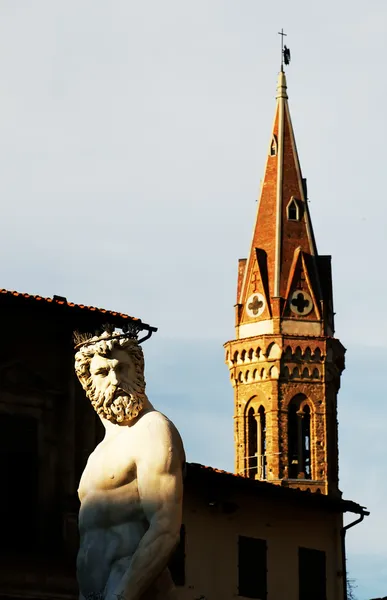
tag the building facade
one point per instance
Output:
(252, 539)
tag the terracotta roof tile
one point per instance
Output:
(61, 301)
(265, 488)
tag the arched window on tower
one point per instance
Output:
(299, 440)
(293, 441)
(261, 443)
(273, 146)
(293, 210)
(252, 446)
(305, 427)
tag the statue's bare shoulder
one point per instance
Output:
(160, 443)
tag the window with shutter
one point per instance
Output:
(252, 568)
(311, 574)
(19, 463)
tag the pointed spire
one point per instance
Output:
(281, 86)
(282, 230)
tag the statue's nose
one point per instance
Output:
(113, 377)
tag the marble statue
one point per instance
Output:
(131, 489)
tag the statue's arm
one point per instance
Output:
(160, 487)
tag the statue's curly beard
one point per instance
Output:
(115, 403)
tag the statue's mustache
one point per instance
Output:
(119, 391)
(114, 391)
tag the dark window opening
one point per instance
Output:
(252, 568)
(305, 435)
(293, 441)
(293, 211)
(273, 146)
(252, 463)
(299, 442)
(176, 563)
(262, 443)
(311, 574)
(19, 463)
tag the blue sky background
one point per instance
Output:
(132, 143)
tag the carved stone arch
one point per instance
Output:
(316, 374)
(251, 354)
(255, 402)
(307, 354)
(297, 398)
(317, 356)
(305, 402)
(301, 400)
(258, 353)
(263, 373)
(251, 403)
(243, 355)
(288, 353)
(297, 353)
(240, 376)
(274, 373)
(296, 372)
(247, 375)
(235, 357)
(302, 393)
(286, 372)
(255, 373)
(305, 373)
(273, 351)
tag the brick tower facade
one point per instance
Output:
(285, 364)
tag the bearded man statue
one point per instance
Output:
(131, 489)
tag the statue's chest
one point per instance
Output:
(111, 465)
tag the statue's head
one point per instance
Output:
(110, 369)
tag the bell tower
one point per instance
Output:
(285, 364)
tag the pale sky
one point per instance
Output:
(133, 137)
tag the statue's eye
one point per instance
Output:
(102, 372)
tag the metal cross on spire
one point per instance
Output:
(285, 52)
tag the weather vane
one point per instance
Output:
(285, 52)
